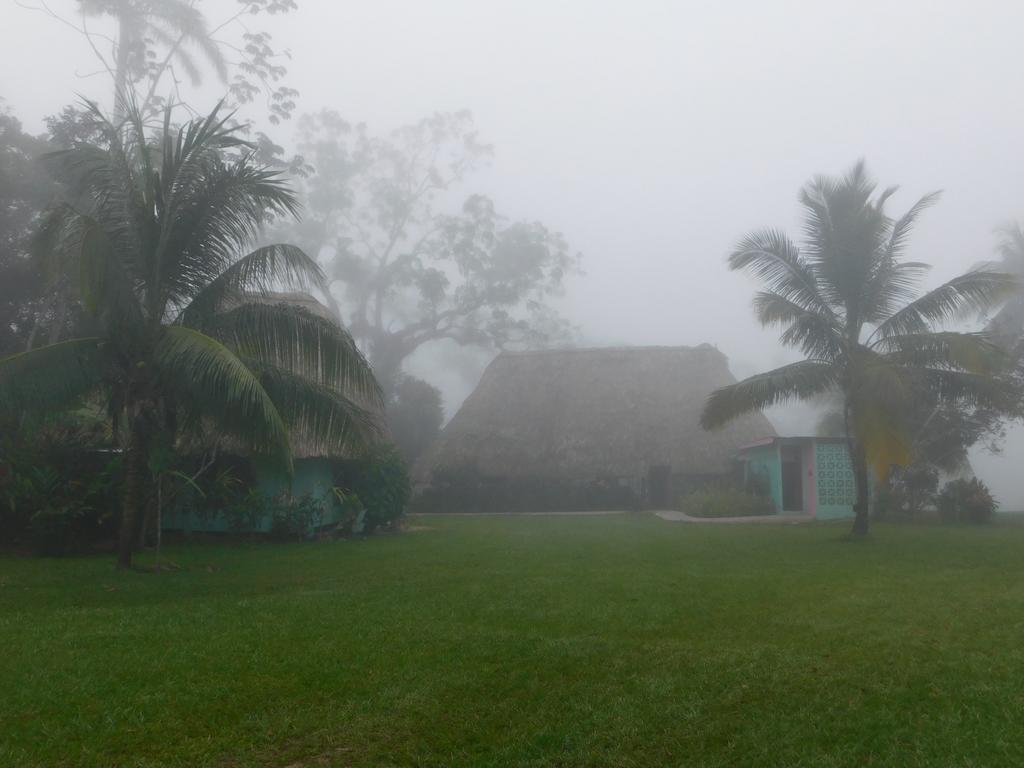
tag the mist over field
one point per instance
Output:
(651, 135)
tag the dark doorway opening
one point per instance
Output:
(659, 487)
(792, 480)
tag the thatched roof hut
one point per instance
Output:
(589, 415)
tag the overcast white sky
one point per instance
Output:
(654, 134)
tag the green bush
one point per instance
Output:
(56, 531)
(381, 483)
(295, 519)
(245, 511)
(59, 509)
(352, 517)
(966, 501)
(909, 492)
(726, 502)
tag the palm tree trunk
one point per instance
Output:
(122, 77)
(859, 459)
(133, 498)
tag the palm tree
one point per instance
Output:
(848, 302)
(187, 340)
(172, 24)
(1007, 326)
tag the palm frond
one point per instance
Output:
(1011, 247)
(210, 380)
(272, 267)
(294, 339)
(973, 352)
(771, 257)
(51, 378)
(902, 227)
(817, 335)
(320, 419)
(225, 206)
(973, 292)
(976, 390)
(795, 381)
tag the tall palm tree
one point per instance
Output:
(1007, 326)
(186, 338)
(173, 24)
(848, 302)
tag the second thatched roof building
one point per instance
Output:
(584, 428)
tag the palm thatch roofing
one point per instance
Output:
(582, 414)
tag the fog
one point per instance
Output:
(654, 135)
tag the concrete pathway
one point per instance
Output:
(594, 513)
(678, 517)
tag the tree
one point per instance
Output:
(848, 301)
(161, 43)
(410, 274)
(141, 26)
(415, 416)
(939, 434)
(1007, 327)
(24, 192)
(188, 339)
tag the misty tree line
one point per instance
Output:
(410, 259)
(409, 262)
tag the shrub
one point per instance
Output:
(381, 483)
(58, 509)
(294, 519)
(909, 492)
(245, 511)
(966, 501)
(56, 531)
(352, 517)
(726, 502)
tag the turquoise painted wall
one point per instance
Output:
(837, 492)
(314, 476)
(765, 461)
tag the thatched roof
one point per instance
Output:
(588, 413)
(295, 299)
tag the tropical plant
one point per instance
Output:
(294, 518)
(381, 482)
(190, 339)
(848, 301)
(908, 493)
(1008, 325)
(175, 24)
(415, 416)
(966, 501)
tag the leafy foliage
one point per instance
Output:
(59, 501)
(910, 491)
(27, 301)
(190, 341)
(295, 518)
(850, 303)
(381, 483)
(966, 501)
(415, 415)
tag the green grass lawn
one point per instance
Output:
(612, 641)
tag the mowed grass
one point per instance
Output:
(609, 641)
